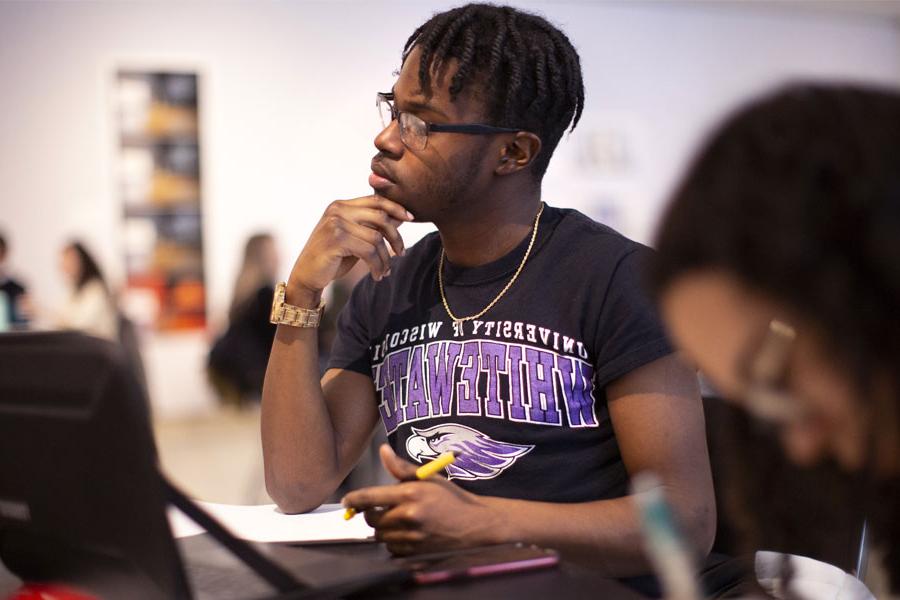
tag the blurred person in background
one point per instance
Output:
(90, 307)
(12, 294)
(778, 273)
(238, 358)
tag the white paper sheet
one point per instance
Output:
(265, 523)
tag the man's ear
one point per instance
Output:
(518, 153)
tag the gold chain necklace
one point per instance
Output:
(505, 288)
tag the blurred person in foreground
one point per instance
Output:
(237, 360)
(89, 307)
(517, 334)
(13, 293)
(778, 272)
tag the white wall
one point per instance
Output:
(288, 110)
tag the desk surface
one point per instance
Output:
(566, 581)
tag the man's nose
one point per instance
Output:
(388, 141)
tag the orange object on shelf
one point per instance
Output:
(182, 322)
(166, 119)
(189, 296)
(171, 188)
(152, 282)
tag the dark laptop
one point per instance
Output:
(82, 501)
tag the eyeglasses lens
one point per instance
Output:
(413, 131)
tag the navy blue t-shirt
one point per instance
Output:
(520, 392)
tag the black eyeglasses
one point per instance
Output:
(414, 131)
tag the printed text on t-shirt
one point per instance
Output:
(484, 377)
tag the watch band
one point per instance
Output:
(294, 316)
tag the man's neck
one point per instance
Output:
(498, 228)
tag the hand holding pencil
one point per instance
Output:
(423, 512)
(427, 470)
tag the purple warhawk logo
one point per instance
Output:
(479, 457)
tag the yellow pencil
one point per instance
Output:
(423, 472)
(435, 466)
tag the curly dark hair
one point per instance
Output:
(527, 70)
(798, 196)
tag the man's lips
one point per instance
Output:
(379, 177)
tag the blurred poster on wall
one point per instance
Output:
(600, 171)
(159, 183)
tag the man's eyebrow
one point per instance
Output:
(418, 106)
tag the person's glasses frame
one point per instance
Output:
(765, 373)
(414, 130)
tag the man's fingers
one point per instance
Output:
(378, 220)
(401, 541)
(374, 516)
(395, 465)
(378, 202)
(389, 206)
(400, 536)
(376, 496)
(374, 255)
(403, 516)
(372, 237)
(402, 549)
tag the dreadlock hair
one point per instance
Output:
(528, 70)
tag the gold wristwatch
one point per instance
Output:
(288, 314)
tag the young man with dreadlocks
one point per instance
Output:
(516, 335)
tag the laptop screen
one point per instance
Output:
(80, 498)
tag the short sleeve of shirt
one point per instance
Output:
(351, 344)
(630, 333)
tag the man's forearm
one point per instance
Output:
(605, 534)
(297, 433)
(311, 436)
